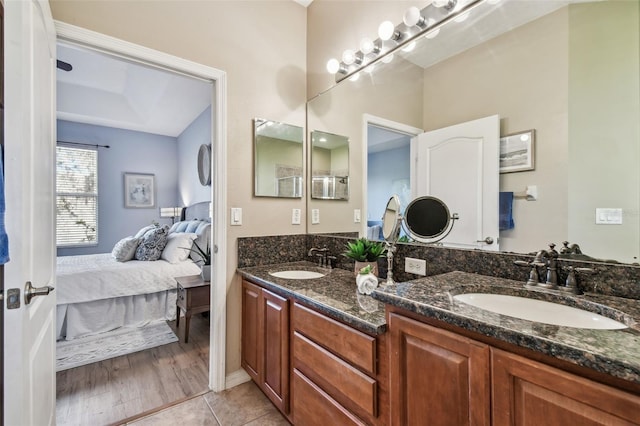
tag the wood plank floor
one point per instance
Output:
(112, 390)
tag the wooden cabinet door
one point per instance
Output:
(526, 392)
(436, 377)
(251, 325)
(275, 381)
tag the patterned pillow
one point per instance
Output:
(152, 244)
(125, 249)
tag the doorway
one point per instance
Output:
(386, 165)
(151, 58)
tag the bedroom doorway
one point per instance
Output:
(85, 39)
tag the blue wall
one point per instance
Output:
(130, 151)
(387, 174)
(189, 141)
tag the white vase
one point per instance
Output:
(206, 272)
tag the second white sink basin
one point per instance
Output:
(297, 275)
(539, 311)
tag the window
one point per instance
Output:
(76, 196)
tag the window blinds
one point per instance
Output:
(76, 196)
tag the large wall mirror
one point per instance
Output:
(329, 166)
(568, 69)
(278, 159)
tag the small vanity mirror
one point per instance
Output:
(278, 159)
(329, 166)
(204, 164)
(428, 219)
(391, 220)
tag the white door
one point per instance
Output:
(29, 346)
(459, 165)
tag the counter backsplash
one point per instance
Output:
(609, 279)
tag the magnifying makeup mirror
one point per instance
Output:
(427, 219)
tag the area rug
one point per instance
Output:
(87, 350)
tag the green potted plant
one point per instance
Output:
(365, 252)
(205, 259)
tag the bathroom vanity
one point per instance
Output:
(412, 354)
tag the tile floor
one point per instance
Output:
(242, 405)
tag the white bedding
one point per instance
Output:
(98, 276)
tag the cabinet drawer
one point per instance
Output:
(194, 297)
(351, 345)
(312, 406)
(346, 384)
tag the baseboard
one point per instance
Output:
(236, 378)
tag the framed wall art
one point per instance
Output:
(139, 191)
(517, 152)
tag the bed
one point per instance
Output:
(97, 293)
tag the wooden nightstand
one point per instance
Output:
(193, 298)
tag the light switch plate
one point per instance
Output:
(295, 217)
(608, 216)
(357, 216)
(236, 216)
(315, 216)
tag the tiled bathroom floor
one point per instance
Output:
(242, 405)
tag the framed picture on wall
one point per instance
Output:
(517, 152)
(139, 191)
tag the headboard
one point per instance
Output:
(196, 211)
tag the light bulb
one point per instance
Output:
(433, 33)
(366, 45)
(348, 57)
(412, 17)
(354, 77)
(388, 58)
(333, 66)
(386, 30)
(409, 47)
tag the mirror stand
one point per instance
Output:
(391, 248)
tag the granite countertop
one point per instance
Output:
(614, 352)
(335, 294)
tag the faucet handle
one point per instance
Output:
(534, 278)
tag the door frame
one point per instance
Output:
(120, 48)
(368, 119)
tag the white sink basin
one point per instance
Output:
(297, 275)
(539, 311)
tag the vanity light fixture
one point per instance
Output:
(415, 23)
(387, 31)
(413, 17)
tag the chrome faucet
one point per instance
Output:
(545, 258)
(324, 260)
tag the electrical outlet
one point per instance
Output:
(415, 266)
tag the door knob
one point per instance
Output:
(487, 240)
(30, 291)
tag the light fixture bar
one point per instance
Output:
(403, 35)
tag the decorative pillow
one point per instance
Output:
(152, 244)
(125, 249)
(144, 230)
(178, 247)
